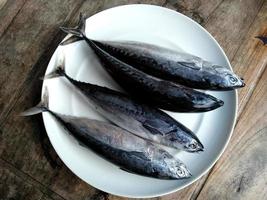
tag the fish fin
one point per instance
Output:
(159, 127)
(70, 40)
(60, 67)
(77, 32)
(40, 107)
(126, 170)
(80, 143)
(139, 155)
(136, 154)
(191, 65)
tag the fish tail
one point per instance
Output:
(60, 67)
(78, 33)
(40, 107)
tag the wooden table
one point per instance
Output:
(29, 34)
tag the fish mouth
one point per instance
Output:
(220, 103)
(186, 173)
(216, 104)
(243, 83)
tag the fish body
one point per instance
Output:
(160, 93)
(142, 120)
(179, 67)
(129, 152)
(124, 149)
(157, 92)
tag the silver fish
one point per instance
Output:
(143, 120)
(167, 64)
(160, 93)
(179, 67)
(118, 146)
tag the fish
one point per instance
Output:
(136, 117)
(118, 146)
(159, 93)
(179, 67)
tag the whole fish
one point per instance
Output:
(179, 67)
(142, 120)
(118, 146)
(160, 93)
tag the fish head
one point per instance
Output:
(225, 78)
(234, 81)
(178, 169)
(194, 145)
(184, 139)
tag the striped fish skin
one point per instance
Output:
(142, 120)
(154, 91)
(179, 67)
(120, 147)
(124, 149)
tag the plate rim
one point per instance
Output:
(213, 160)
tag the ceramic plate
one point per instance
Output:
(150, 24)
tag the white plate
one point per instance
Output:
(159, 26)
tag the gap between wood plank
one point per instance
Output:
(246, 103)
(33, 70)
(212, 13)
(237, 121)
(29, 179)
(4, 32)
(55, 40)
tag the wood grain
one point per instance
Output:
(251, 57)
(20, 138)
(197, 10)
(221, 34)
(25, 40)
(28, 36)
(112, 3)
(230, 22)
(13, 187)
(242, 171)
(17, 178)
(8, 11)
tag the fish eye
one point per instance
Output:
(180, 172)
(233, 79)
(192, 146)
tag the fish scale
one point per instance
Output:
(140, 119)
(145, 87)
(127, 151)
(179, 67)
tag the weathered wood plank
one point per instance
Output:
(234, 8)
(25, 40)
(44, 197)
(251, 58)
(197, 10)
(13, 187)
(34, 32)
(16, 178)
(230, 22)
(113, 3)
(8, 10)
(64, 182)
(242, 171)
